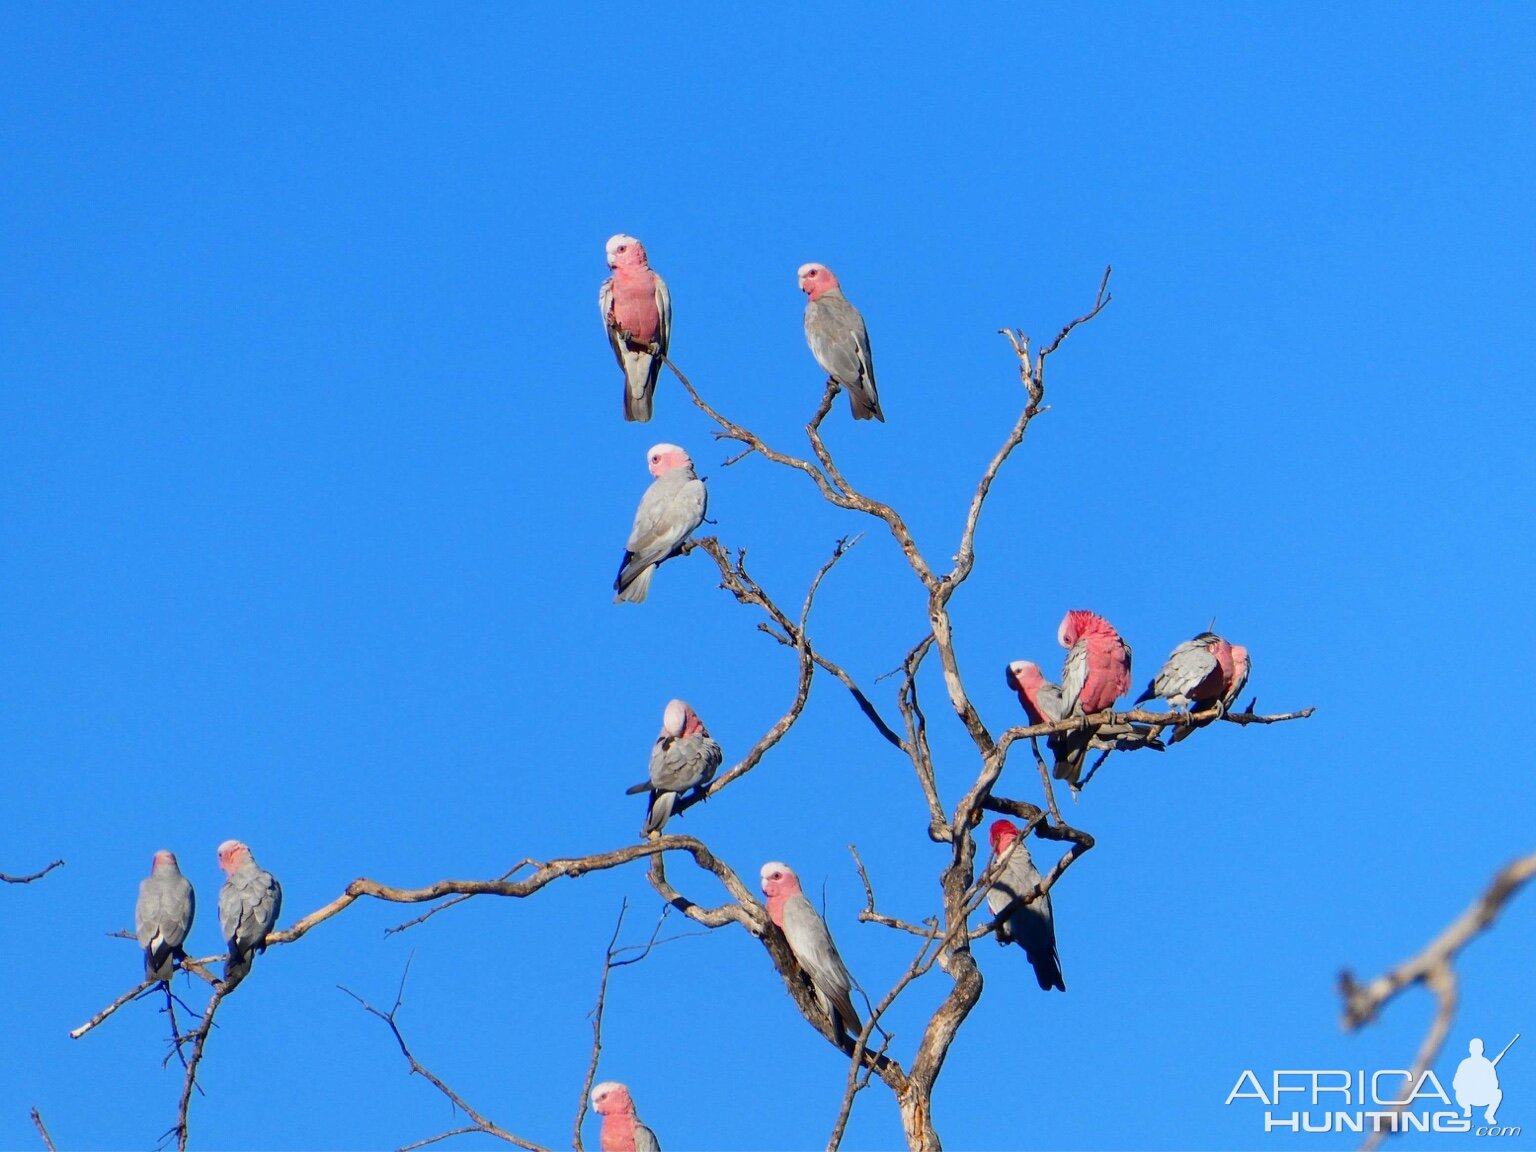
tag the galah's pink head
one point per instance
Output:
(1024, 676)
(625, 252)
(1078, 623)
(1002, 833)
(233, 855)
(165, 861)
(779, 879)
(662, 458)
(611, 1098)
(816, 280)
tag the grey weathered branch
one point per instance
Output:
(9, 879)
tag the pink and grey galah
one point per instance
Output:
(672, 507)
(637, 312)
(249, 904)
(1032, 926)
(1195, 677)
(1097, 672)
(839, 341)
(163, 916)
(622, 1130)
(811, 943)
(683, 757)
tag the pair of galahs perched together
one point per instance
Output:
(1199, 674)
(249, 904)
(637, 314)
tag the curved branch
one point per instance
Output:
(8, 879)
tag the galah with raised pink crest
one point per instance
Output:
(808, 938)
(683, 757)
(1032, 926)
(835, 331)
(622, 1130)
(163, 916)
(1097, 672)
(672, 507)
(637, 312)
(249, 904)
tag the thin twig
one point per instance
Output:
(35, 876)
(189, 1081)
(596, 1016)
(42, 1130)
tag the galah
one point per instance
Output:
(249, 904)
(1043, 705)
(1032, 926)
(1097, 672)
(672, 507)
(808, 938)
(839, 341)
(637, 312)
(622, 1130)
(1195, 674)
(683, 757)
(163, 916)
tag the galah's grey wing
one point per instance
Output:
(1032, 926)
(812, 945)
(668, 513)
(839, 341)
(645, 1139)
(710, 758)
(269, 906)
(1190, 666)
(664, 328)
(605, 305)
(1074, 674)
(1049, 701)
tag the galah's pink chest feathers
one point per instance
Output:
(618, 1133)
(634, 302)
(776, 904)
(1108, 677)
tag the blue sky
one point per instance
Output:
(313, 482)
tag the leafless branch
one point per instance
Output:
(418, 1069)
(1433, 967)
(42, 1130)
(526, 862)
(8, 879)
(189, 1079)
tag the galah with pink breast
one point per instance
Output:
(637, 313)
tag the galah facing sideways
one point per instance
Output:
(808, 938)
(683, 757)
(1032, 926)
(672, 507)
(622, 1130)
(637, 312)
(249, 904)
(1043, 705)
(1195, 677)
(1097, 672)
(163, 916)
(835, 331)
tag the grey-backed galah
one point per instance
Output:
(1043, 705)
(637, 312)
(1097, 672)
(249, 904)
(683, 757)
(622, 1130)
(808, 938)
(1032, 926)
(672, 507)
(1193, 678)
(163, 916)
(839, 341)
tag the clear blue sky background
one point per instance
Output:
(314, 482)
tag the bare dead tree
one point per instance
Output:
(1434, 968)
(947, 933)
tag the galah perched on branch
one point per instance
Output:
(1032, 926)
(1097, 672)
(637, 312)
(163, 916)
(672, 507)
(808, 938)
(1196, 676)
(835, 331)
(249, 904)
(1043, 705)
(622, 1130)
(683, 757)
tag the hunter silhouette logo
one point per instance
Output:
(1476, 1083)
(1339, 1100)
